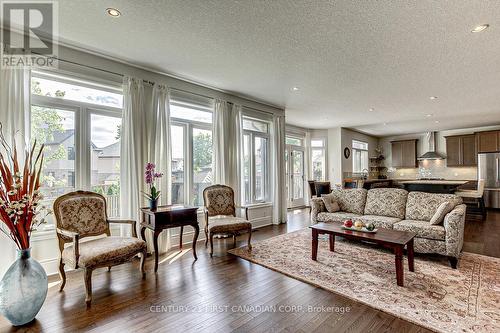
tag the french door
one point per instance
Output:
(294, 167)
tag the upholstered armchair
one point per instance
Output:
(220, 215)
(83, 214)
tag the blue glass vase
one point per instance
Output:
(23, 289)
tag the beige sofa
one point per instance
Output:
(401, 210)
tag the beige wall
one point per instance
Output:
(438, 168)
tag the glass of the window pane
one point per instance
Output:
(298, 173)
(202, 163)
(255, 125)
(317, 143)
(318, 164)
(53, 88)
(189, 113)
(246, 169)
(260, 163)
(177, 133)
(359, 145)
(56, 129)
(293, 141)
(105, 159)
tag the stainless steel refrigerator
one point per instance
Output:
(488, 168)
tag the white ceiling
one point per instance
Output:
(346, 56)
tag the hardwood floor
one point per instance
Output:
(223, 294)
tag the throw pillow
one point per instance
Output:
(440, 213)
(331, 204)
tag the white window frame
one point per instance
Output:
(360, 150)
(83, 112)
(189, 125)
(252, 135)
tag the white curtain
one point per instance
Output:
(14, 117)
(278, 166)
(221, 131)
(234, 151)
(160, 142)
(134, 148)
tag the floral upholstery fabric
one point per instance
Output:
(454, 223)
(84, 214)
(380, 221)
(98, 252)
(351, 200)
(386, 202)
(331, 204)
(424, 245)
(228, 224)
(422, 206)
(317, 206)
(335, 217)
(423, 229)
(219, 200)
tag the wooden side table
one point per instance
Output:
(166, 217)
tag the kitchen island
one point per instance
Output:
(432, 185)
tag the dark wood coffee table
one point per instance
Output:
(393, 239)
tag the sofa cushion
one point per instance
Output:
(386, 202)
(422, 206)
(440, 213)
(423, 229)
(351, 200)
(380, 221)
(336, 217)
(330, 203)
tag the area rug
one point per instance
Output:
(435, 296)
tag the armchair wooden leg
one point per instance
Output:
(62, 274)
(249, 238)
(143, 262)
(109, 268)
(234, 240)
(206, 237)
(211, 244)
(88, 285)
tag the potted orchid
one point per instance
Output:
(24, 286)
(150, 176)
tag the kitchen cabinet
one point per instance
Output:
(461, 150)
(404, 153)
(488, 142)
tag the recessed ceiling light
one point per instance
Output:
(113, 12)
(433, 97)
(480, 28)
(437, 121)
(429, 115)
(371, 109)
(295, 89)
(385, 124)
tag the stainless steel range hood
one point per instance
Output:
(431, 152)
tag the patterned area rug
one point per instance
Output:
(435, 296)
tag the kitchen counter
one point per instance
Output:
(432, 185)
(434, 181)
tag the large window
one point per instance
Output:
(318, 153)
(359, 156)
(79, 123)
(192, 152)
(255, 171)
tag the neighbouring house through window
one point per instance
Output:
(318, 157)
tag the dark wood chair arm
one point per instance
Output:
(76, 242)
(132, 223)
